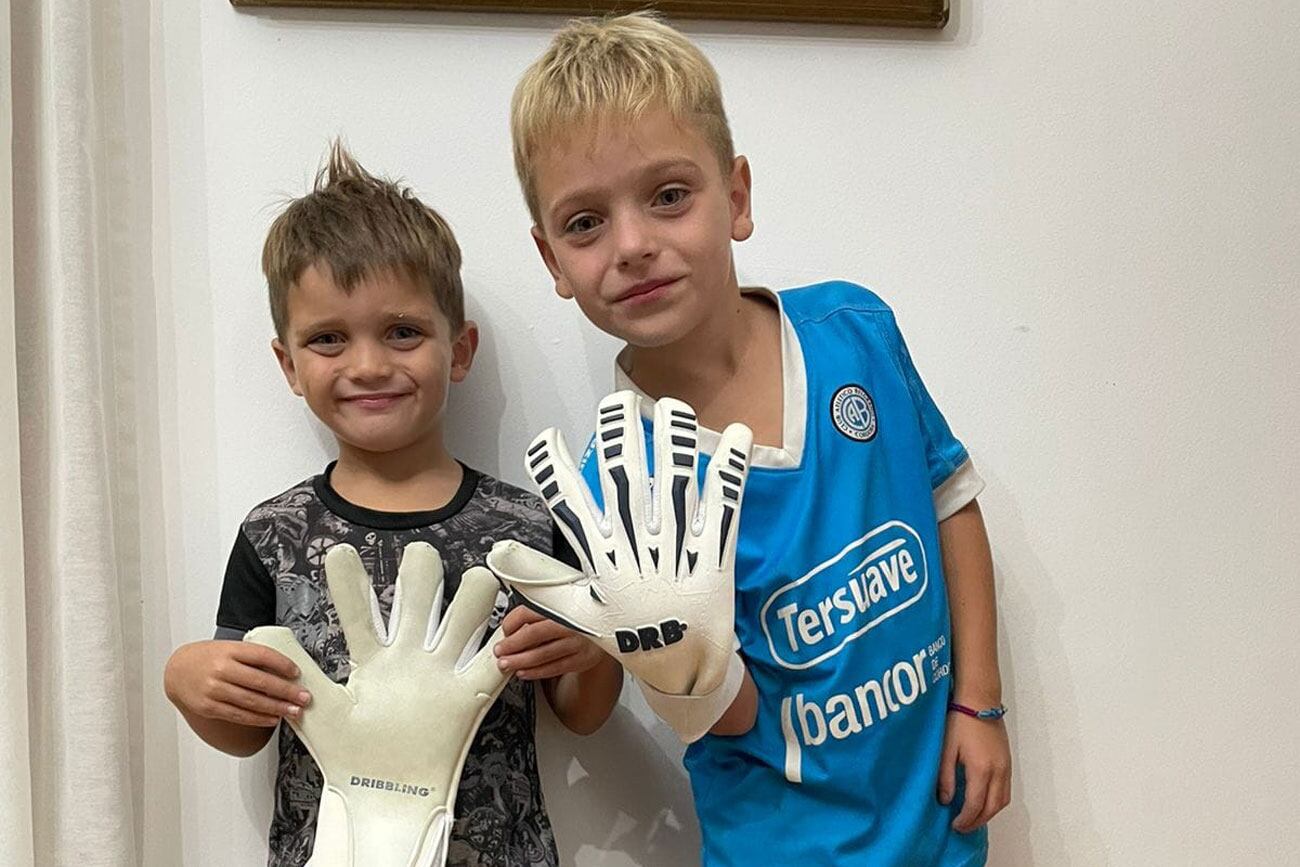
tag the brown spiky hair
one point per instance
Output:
(357, 226)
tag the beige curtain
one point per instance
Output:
(15, 784)
(82, 736)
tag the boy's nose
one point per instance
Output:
(635, 240)
(370, 362)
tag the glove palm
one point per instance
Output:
(656, 590)
(392, 741)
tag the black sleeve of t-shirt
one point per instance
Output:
(561, 549)
(247, 594)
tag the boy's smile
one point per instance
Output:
(379, 401)
(372, 364)
(637, 224)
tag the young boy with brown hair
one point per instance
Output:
(368, 308)
(864, 599)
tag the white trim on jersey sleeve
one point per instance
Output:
(794, 391)
(959, 489)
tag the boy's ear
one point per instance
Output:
(286, 365)
(463, 348)
(562, 288)
(742, 222)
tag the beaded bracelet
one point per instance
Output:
(988, 713)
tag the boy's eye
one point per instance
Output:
(671, 196)
(328, 343)
(581, 224)
(405, 334)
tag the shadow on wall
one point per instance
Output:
(257, 790)
(536, 368)
(476, 407)
(1049, 778)
(619, 798)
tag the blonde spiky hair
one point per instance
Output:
(597, 69)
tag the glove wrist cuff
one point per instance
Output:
(691, 716)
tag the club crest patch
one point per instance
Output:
(854, 413)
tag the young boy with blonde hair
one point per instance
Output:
(864, 608)
(369, 316)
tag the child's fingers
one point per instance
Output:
(220, 710)
(519, 617)
(977, 786)
(272, 685)
(254, 702)
(327, 697)
(531, 634)
(266, 658)
(947, 774)
(247, 718)
(540, 654)
(555, 668)
(480, 671)
(517, 638)
(998, 797)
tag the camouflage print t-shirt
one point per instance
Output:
(275, 576)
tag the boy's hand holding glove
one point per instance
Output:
(392, 742)
(656, 589)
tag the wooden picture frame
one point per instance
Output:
(895, 13)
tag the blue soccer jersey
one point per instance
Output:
(841, 608)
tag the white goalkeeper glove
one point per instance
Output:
(656, 590)
(392, 742)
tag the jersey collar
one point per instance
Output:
(794, 390)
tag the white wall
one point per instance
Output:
(1085, 215)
